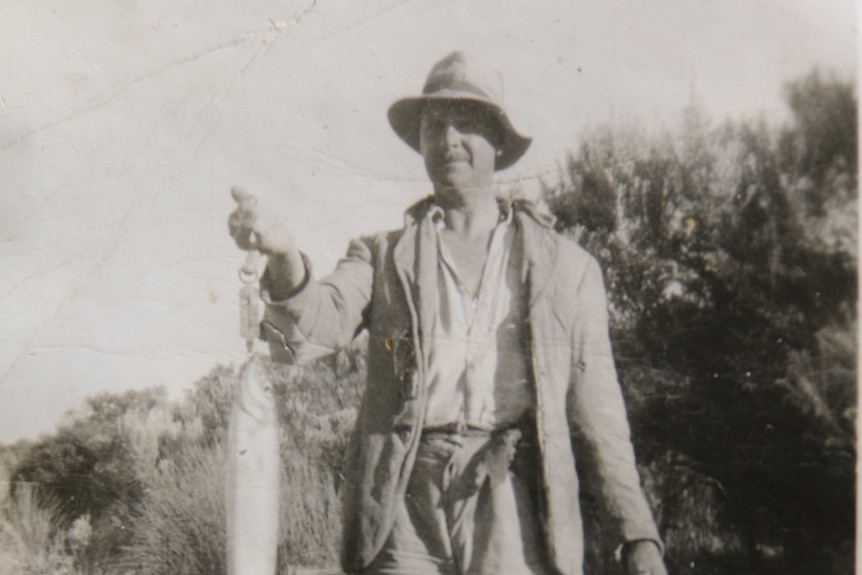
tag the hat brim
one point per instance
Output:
(405, 116)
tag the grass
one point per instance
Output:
(30, 542)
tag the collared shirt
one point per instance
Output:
(477, 368)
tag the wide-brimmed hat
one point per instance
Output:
(457, 78)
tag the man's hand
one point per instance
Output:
(644, 558)
(251, 231)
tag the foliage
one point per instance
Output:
(729, 254)
(95, 467)
(134, 484)
(180, 525)
(10, 457)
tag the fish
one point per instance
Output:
(253, 467)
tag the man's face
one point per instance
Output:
(459, 142)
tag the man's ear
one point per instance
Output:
(499, 136)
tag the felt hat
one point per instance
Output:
(456, 78)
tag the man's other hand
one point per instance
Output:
(644, 558)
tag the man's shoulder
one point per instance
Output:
(379, 243)
(543, 224)
(382, 237)
(574, 261)
(570, 248)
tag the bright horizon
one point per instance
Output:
(125, 125)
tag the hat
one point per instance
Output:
(456, 79)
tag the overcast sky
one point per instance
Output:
(124, 123)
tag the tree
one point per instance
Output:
(729, 255)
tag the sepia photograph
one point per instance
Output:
(468, 287)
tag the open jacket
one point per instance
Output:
(386, 284)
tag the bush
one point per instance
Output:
(179, 528)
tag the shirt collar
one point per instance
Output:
(437, 215)
(420, 210)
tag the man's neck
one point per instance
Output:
(472, 212)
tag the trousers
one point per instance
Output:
(466, 512)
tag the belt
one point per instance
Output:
(463, 428)
(511, 447)
(458, 428)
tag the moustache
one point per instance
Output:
(454, 157)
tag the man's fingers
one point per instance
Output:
(260, 225)
(253, 229)
(244, 239)
(243, 198)
(241, 229)
(243, 222)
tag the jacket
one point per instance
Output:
(386, 284)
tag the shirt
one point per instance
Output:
(477, 370)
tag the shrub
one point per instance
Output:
(179, 527)
(30, 543)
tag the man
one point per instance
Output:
(489, 364)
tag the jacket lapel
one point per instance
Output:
(415, 258)
(538, 245)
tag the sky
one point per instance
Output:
(123, 125)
